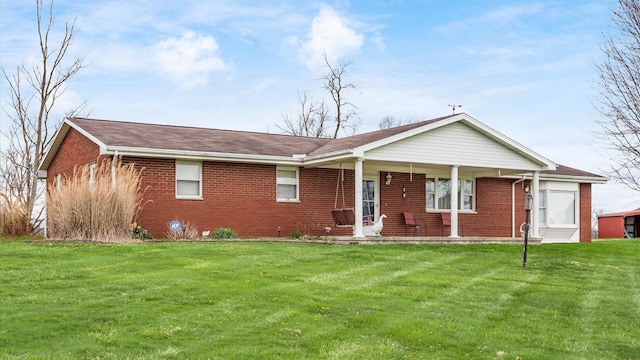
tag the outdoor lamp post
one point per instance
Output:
(528, 203)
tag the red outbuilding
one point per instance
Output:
(619, 225)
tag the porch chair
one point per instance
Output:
(446, 222)
(411, 222)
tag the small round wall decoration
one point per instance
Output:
(174, 225)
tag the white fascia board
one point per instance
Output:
(61, 133)
(569, 178)
(86, 134)
(198, 155)
(329, 157)
(562, 178)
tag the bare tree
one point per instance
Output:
(336, 84)
(618, 102)
(388, 122)
(311, 121)
(32, 94)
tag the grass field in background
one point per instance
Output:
(308, 301)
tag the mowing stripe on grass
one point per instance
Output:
(309, 301)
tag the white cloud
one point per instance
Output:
(188, 60)
(331, 34)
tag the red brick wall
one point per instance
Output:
(493, 207)
(75, 150)
(241, 197)
(585, 212)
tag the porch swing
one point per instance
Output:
(343, 216)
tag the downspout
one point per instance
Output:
(513, 205)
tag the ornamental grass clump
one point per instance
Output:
(187, 231)
(99, 208)
(14, 218)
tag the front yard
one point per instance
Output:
(308, 301)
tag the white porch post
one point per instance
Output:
(535, 191)
(358, 231)
(454, 201)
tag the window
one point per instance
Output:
(92, 175)
(542, 208)
(287, 184)
(439, 194)
(188, 179)
(467, 194)
(562, 208)
(58, 181)
(431, 193)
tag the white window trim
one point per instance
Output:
(189, 197)
(289, 168)
(58, 181)
(542, 221)
(92, 175)
(576, 209)
(460, 196)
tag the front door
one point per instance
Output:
(370, 203)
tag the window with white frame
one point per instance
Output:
(287, 184)
(439, 194)
(92, 175)
(188, 179)
(561, 209)
(542, 208)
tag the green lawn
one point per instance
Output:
(309, 301)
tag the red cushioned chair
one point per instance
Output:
(411, 222)
(446, 222)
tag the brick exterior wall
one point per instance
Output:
(243, 197)
(75, 150)
(492, 216)
(585, 213)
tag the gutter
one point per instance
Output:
(195, 155)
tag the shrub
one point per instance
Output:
(101, 210)
(224, 233)
(296, 235)
(138, 232)
(188, 231)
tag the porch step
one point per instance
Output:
(434, 240)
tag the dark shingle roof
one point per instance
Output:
(205, 140)
(167, 137)
(367, 138)
(562, 170)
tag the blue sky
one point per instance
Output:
(524, 68)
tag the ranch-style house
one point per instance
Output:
(456, 176)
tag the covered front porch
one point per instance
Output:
(457, 166)
(488, 207)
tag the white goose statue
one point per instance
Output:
(377, 227)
